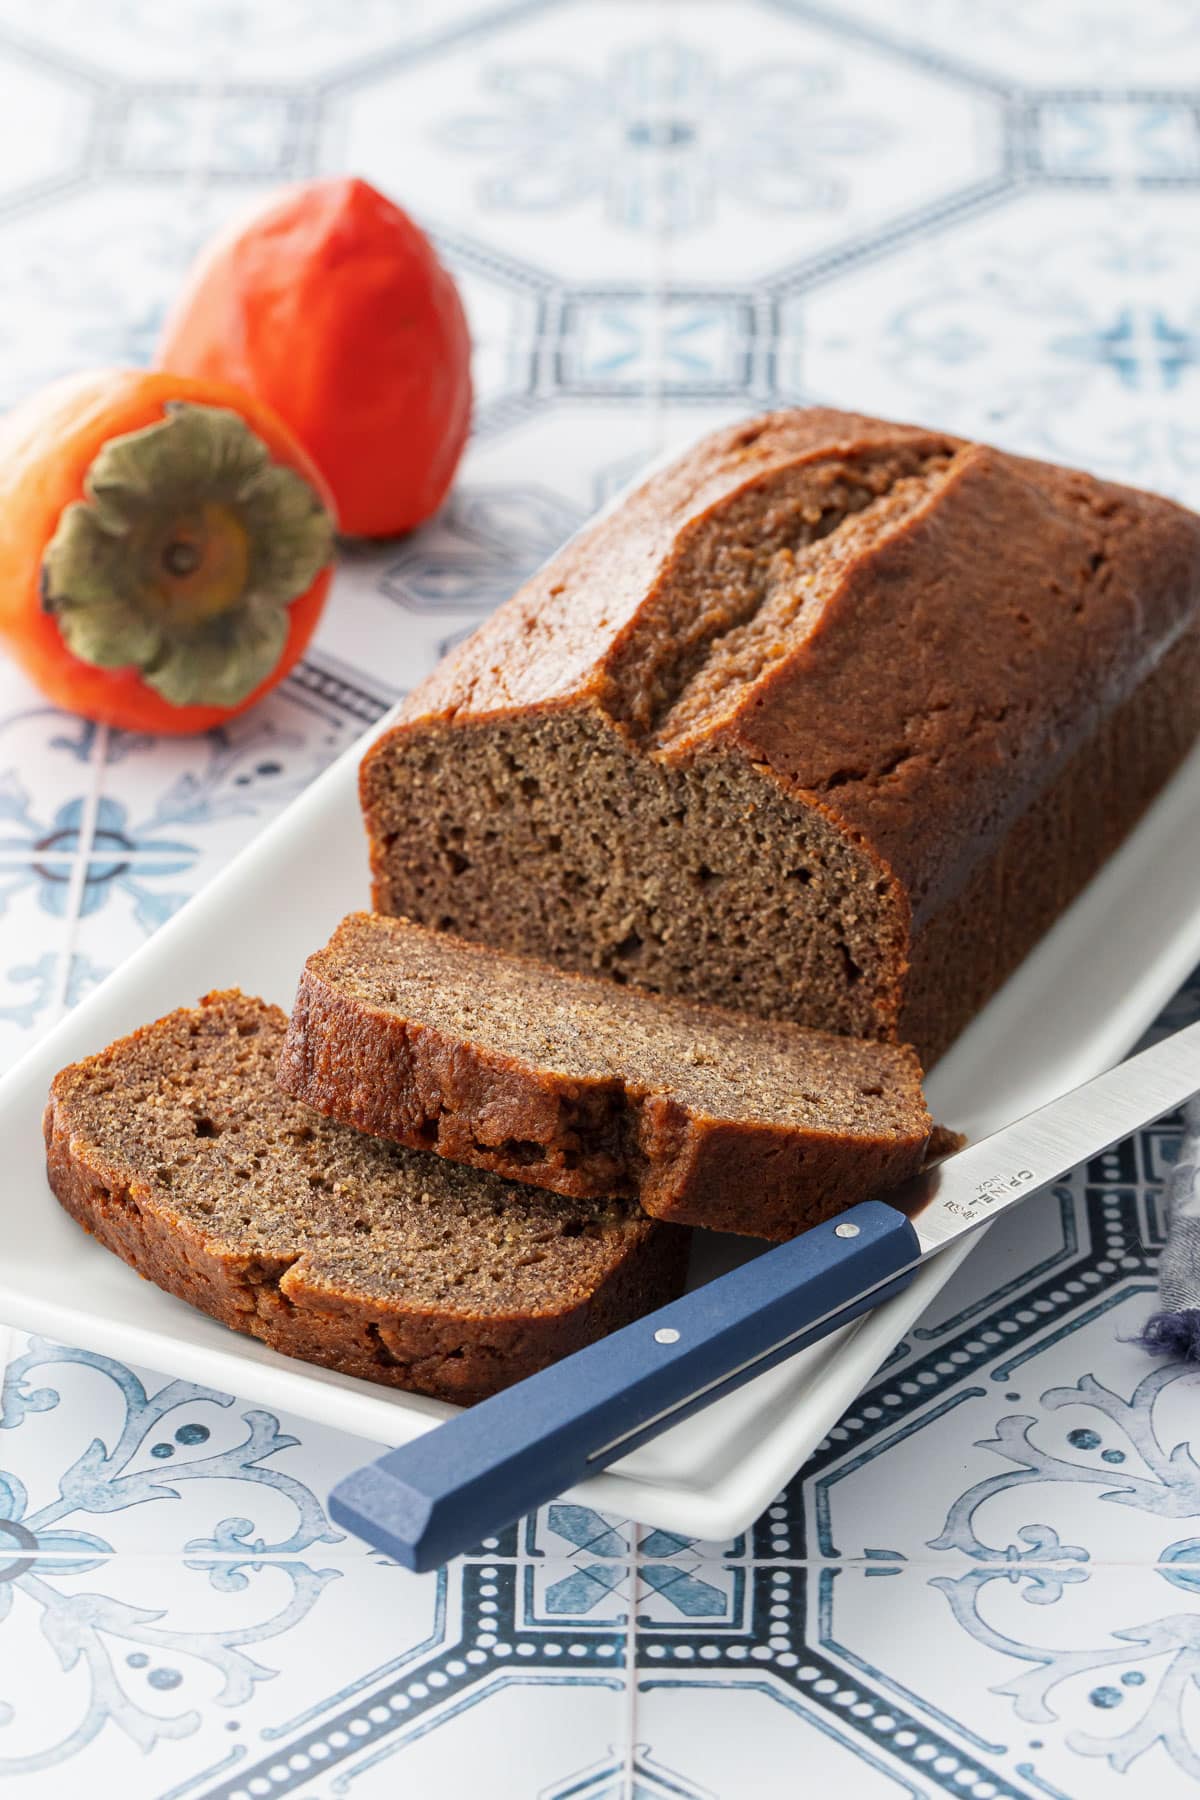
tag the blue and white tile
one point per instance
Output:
(45, 758)
(787, 142)
(171, 815)
(1002, 1371)
(1078, 1685)
(133, 1675)
(1064, 327)
(1041, 1691)
(213, 131)
(707, 1735)
(559, 1738)
(1018, 1253)
(680, 423)
(1150, 139)
(44, 784)
(506, 308)
(146, 1465)
(1010, 1486)
(481, 547)
(539, 137)
(1032, 1388)
(621, 1570)
(89, 274)
(462, 1666)
(698, 344)
(1084, 1443)
(576, 455)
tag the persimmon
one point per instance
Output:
(165, 547)
(331, 306)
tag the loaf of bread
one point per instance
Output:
(828, 722)
(587, 1087)
(176, 1150)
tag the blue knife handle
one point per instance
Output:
(493, 1462)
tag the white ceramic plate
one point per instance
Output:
(1078, 1004)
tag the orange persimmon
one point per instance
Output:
(331, 306)
(165, 548)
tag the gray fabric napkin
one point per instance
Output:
(1175, 1329)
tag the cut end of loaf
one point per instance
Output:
(549, 835)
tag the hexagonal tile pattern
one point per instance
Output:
(644, 139)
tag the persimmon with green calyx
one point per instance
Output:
(331, 305)
(166, 548)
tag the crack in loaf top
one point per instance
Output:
(910, 631)
(598, 595)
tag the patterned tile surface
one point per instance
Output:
(987, 1580)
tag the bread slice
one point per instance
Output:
(176, 1149)
(579, 1084)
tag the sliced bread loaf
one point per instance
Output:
(828, 722)
(579, 1084)
(177, 1150)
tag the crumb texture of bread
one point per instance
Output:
(828, 722)
(176, 1149)
(588, 1087)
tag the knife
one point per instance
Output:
(482, 1469)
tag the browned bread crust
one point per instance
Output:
(580, 1085)
(772, 733)
(177, 1151)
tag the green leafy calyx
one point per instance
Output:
(185, 555)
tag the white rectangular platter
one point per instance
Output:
(1078, 1004)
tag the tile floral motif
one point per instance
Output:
(658, 133)
(46, 1543)
(33, 987)
(1151, 1663)
(157, 1443)
(1158, 1655)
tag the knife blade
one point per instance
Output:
(438, 1495)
